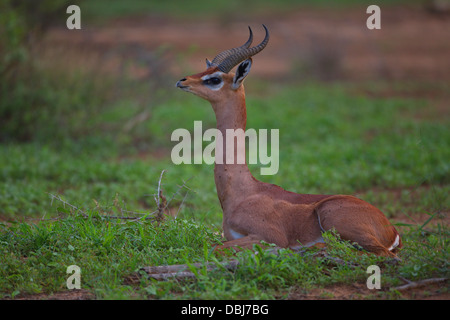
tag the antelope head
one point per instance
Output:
(216, 82)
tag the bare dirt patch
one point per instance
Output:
(412, 43)
(359, 291)
(306, 44)
(63, 295)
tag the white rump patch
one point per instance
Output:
(395, 244)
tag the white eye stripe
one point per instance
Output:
(212, 86)
(212, 75)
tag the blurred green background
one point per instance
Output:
(86, 118)
(87, 114)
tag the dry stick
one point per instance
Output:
(182, 271)
(159, 194)
(167, 276)
(161, 206)
(84, 215)
(66, 203)
(417, 284)
(182, 202)
(179, 188)
(161, 201)
(165, 205)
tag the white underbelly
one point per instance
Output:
(235, 235)
(308, 244)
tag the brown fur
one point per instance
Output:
(261, 211)
(204, 73)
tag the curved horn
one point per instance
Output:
(232, 57)
(225, 54)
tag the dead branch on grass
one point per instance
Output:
(162, 206)
(185, 271)
(417, 284)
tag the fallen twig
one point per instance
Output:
(85, 215)
(183, 271)
(162, 206)
(179, 188)
(418, 284)
(161, 201)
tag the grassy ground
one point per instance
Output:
(341, 143)
(82, 157)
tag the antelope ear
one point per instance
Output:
(241, 72)
(208, 63)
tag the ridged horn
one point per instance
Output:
(225, 54)
(228, 59)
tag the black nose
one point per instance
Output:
(179, 85)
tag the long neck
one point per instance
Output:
(233, 180)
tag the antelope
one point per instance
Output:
(255, 211)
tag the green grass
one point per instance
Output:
(330, 142)
(36, 256)
(100, 10)
(71, 164)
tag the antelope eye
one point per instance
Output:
(212, 81)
